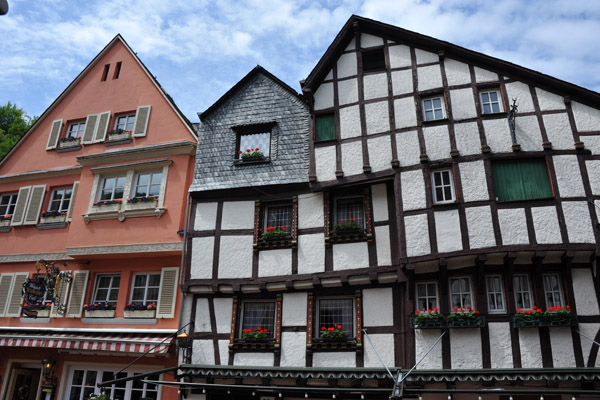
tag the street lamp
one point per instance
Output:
(47, 365)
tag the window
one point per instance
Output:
(442, 184)
(105, 72)
(523, 295)
(490, 102)
(553, 291)
(350, 209)
(257, 141)
(324, 127)
(522, 179)
(112, 188)
(434, 109)
(117, 70)
(83, 381)
(460, 293)
(278, 217)
(107, 289)
(61, 198)
(373, 60)
(7, 204)
(332, 312)
(258, 314)
(145, 288)
(148, 184)
(495, 294)
(427, 295)
(76, 129)
(125, 122)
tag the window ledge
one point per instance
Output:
(121, 215)
(68, 149)
(4, 229)
(116, 142)
(51, 225)
(542, 321)
(440, 121)
(263, 160)
(319, 344)
(279, 243)
(120, 321)
(266, 345)
(349, 237)
(494, 115)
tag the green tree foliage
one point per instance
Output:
(14, 123)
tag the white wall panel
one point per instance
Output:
(377, 116)
(407, 144)
(238, 215)
(561, 341)
(465, 348)
(558, 129)
(463, 104)
(500, 345)
(311, 253)
(447, 231)
(467, 138)
(310, 210)
(349, 122)
(497, 135)
(429, 77)
(579, 223)
(293, 349)
(375, 86)
(585, 293)
(347, 91)
(223, 307)
(324, 96)
(399, 56)
(531, 352)
(405, 113)
(437, 142)
(380, 153)
(480, 227)
(334, 359)
(325, 159)
(352, 159)
(378, 307)
(382, 245)
(483, 75)
(402, 82)
(380, 203)
(202, 258)
(568, 176)
(413, 190)
(586, 118)
(235, 257)
(293, 310)
(276, 262)
(513, 226)
(549, 101)
(417, 235)
(346, 65)
(545, 223)
(473, 179)
(350, 256)
(424, 339)
(528, 133)
(385, 346)
(457, 73)
(520, 91)
(206, 216)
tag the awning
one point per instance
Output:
(131, 343)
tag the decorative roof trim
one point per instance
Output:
(48, 173)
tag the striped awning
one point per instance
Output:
(134, 343)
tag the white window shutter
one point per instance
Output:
(6, 281)
(54, 134)
(62, 293)
(15, 298)
(167, 293)
(72, 202)
(101, 127)
(140, 125)
(34, 205)
(78, 287)
(22, 199)
(90, 128)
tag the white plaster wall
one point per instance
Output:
(413, 190)
(407, 145)
(568, 176)
(545, 223)
(346, 65)
(380, 153)
(399, 56)
(206, 216)
(584, 291)
(334, 360)
(351, 45)
(500, 345)
(457, 73)
(310, 210)
(202, 257)
(549, 101)
(385, 346)
(349, 122)
(311, 253)
(424, 339)
(223, 307)
(417, 235)
(463, 104)
(593, 170)
(375, 86)
(483, 75)
(592, 143)
(513, 226)
(238, 215)
(293, 309)
(474, 184)
(350, 256)
(447, 231)
(325, 163)
(367, 40)
(380, 204)
(480, 227)
(520, 91)
(528, 133)
(377, 116)
(293, 349)
(402, 82)
(275, 262)
(531, 352)
(467, 138)
(465, 348)
(429, 77)
(224, 351)
(348, 91)
(588, 330)
(561, 340)
(382, 245)
(254, 359)
(586, 118)
(352, 159)
(378, 306)
(202, 317)
(497, 135)
(578, 221)
(558, 129)
(405, 113)
(203, 352)
(437, 142)
(426, 57)
(235, 257)
(329, 75)
(324, 96)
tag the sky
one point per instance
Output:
(199, 49)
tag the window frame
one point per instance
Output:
(499, 101)
(61, 202)
(318, 324)
(434, 187)
(136, 184)
(377, 66)
(100, 371)
(427, 295)
(560, 292)
(78, 131)
(146, 287)
(109, 289)
(11, 197)
(521, 293)
(127, 122)
(491, 291)
(336, 206)
(254, 129)
(268, 207)
(242, 317)
(113, 189)
(461, 293)
(433, 109)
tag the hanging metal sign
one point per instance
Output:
(44, 289)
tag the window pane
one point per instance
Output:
(262, 141)
(333, 312)
(278, 216)
(259, 315)
(154, 280)
(347, 208)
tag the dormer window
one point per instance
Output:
(253, 142)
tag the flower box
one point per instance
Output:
(141, 205)
(100, 314)
(474, 322)
(66, 144)
(115, 137)
(53, 219)
(428, 323)
(139, 313)
(5, 222)
(107, 207)
(543, 320)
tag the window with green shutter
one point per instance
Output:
(521, 179)
(324, 127)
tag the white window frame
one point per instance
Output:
(443, 186)
(521, 293)
(137, 182)
(76, 129)
(433, 108)
(129, 122)
(491, 103)
(63, 203)
(146, 287)
(461, 293)
(428, 297)
(335, 209)
(317, 324)
(109, 390)
(241, 327)
(110, 288)
(12, 203)
(497, 294)
(113, 189)
(553, 297)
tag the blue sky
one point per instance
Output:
(199, 49)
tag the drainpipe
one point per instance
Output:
(182, 271)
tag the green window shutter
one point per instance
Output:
(536, 183)
(16, 295)
(165, 308)
(19, 214)
(141, 121)
(6, 281)
(90, 128)
(101, 127)
(34, 206)
(324, 127)
(521, 179)
(72, 202)
(79, 284)
(54, 134)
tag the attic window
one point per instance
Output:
(373, 60)
(117, 71)
(253, 138)
(105, 73)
